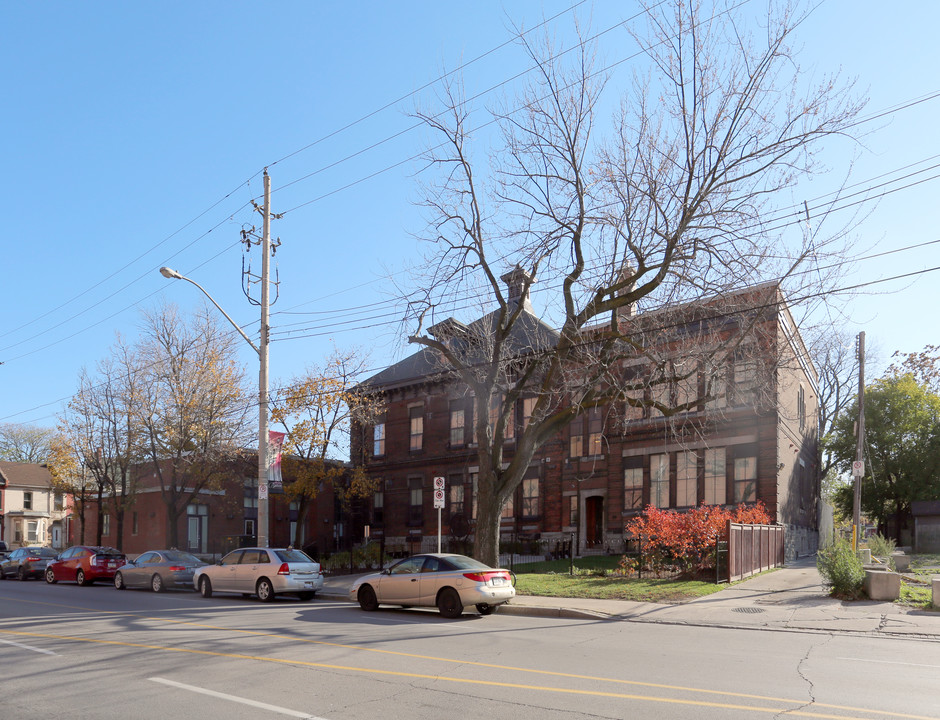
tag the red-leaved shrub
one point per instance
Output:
(685, 541)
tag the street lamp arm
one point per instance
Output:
(173, 274)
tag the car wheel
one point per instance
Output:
(21, 573)
(80, 577)
(119, 581)
(306, 596)
(50, 577)
(264, 590)
(367, 599)
(485, 609)
(205, 587)
(448, 603)
(156, 583)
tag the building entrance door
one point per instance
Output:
(594, 521)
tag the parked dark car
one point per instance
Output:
(158, 570)
(26, 562)
(84, 564)
(4, 550)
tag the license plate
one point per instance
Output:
(308, 584)
(498, 580)
(111, 564)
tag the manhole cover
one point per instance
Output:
(748, 610)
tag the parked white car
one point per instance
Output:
(265, 572)
(446, 581)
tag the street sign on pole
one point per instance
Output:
(439, 505)
(438, 483)
(858, 468)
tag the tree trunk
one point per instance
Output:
(173, 525)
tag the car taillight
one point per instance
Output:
(176, 568)
(476, 577)
(284, 569)
(33, 559)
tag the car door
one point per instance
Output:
(430, 579)
(250, 569)
(402, 585)
(10, 564)
(70, 563)
(138, 574)
(223, 575)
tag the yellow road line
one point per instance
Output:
(463, 681)
(493, 666)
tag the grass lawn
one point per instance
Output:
(552, 579)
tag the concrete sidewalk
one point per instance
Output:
(791, 598)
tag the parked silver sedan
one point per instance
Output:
(159, 570)
(265, 572)
(448, 582)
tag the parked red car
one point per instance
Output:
(84, 564)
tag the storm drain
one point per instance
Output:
(748, 610)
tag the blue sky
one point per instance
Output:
(134, 136)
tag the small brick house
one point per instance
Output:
(32, 512)
(610, 463)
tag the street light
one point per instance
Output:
(262, 350)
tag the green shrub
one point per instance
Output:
(841, 569)
(880, 546)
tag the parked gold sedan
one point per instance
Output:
(448, 582)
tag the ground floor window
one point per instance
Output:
(659, 480)
(745, 479)
(715, 485)
(633, 489)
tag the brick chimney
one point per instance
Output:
(518, 282)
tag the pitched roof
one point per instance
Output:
(24, 475)
(529, 334)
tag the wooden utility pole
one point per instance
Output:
(858, 468)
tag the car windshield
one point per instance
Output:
(179, 556)
(462, 562)
(293, 556)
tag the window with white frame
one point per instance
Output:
(530, 497)
(659, 480)
(686, 478)
(633, 488)
(416, 425)
(715, 477)
(27, 501)
(457, 424)
(378, 437)
(745, 479)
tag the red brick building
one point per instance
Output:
(220, 517)
(612, 462)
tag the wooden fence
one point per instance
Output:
(753, 549)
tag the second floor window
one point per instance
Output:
(378, 438)
(27, 501)
(530, 497)
(58, 502)
(575, 437)
(595, 432)
(416, 423)
(378, 507)
(457, 425)
(106, 525)
(456, 492)
(528, 407)
(415, 501)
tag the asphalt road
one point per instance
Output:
(94, 652)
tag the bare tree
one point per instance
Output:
(674, 205)
(25, 443)
(315, 411)
(193, 408)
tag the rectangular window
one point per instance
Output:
(576, 437)
(715, 482)
(27, 501)
(416, 417)
(473, 495)
(745, 382)
(250, 527)
(686, 479)
(415, 501)
(633, 489)
(801, 407)
(251, 497)
(528, 407)
(509, 511)
(745, 479)
(378, 507)
(134, 525)
(595, 432)
(496, 408)
(457, 422)
(660, 394)
(456, 492)
(572, 510)
(32, 531)
(633, 412)
(716, 387)
(530, 497)
(58, 502)
(659, 481)
(106, 525)
(378, 438)
(686, 386)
